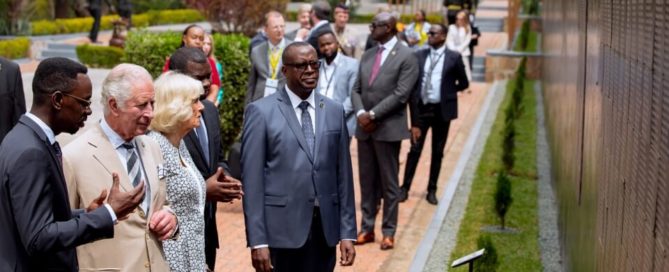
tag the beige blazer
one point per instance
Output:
(88, 164)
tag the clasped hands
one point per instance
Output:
(223, 188)
(366, 123)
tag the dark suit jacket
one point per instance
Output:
(279, 174)
(208, 168)
(12, 100)
(388, 94)
(313, 36)
(39, 230)
(453, 80)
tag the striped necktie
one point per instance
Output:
(134, 166)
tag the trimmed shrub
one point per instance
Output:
(99, 56)
(77, 25)
(503, 197)
(489, 262)
(141, 6)
(508, 143)
(232, 52)
(15, 48)
(150, 50)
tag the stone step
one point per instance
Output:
(61, 46)
(479, 60)
(478, 69)
(478, 77)
(50, 53)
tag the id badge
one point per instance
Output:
(270, 86)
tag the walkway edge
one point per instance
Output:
(427, 243)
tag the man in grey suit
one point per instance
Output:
(12, 100)
(387, 75)
(265, 77)
(320, 13)
(337, 76)
(296, 172)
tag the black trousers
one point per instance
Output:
(96, 13)
(431, 118)
(314, 255)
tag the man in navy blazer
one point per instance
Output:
(39, 230)
(434, 103)
(337, 76)
(296, 173)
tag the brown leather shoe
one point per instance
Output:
(365, 237)
(387, 243)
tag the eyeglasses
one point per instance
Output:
(375, 25)
(301, 67)
(86, 104)
(432, 33)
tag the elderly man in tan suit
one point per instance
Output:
(117, 144)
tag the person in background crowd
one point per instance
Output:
(209, 47)
(265, 76)
(295, 220)
(12, 99)
(434, 103)
(125, 11)
(118, 144)
(319, 16)
(345, 37)
(416, 32)
(476, 34)
(337, 76)
(453, 7)
(95, 9)
(379, 100)
(176, 113)
(301, 33)
(193, 36)
(204, 146)
(459, 37)
(39, 229)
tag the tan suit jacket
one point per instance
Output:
(88, 163)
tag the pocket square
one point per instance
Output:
(162, 172)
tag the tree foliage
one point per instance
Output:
(503, 197)
(236, 16)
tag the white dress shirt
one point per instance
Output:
(52, 139)
(388, 46)
(326, 82)
(295, 102)
(433, 94)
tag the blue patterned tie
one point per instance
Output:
(307, 127)
(134, 166)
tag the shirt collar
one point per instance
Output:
(390, 44)
(296, 100)
(335, 61)
(113, 137)
(320, 23)
(278, 46)
(438, 50)
(47, 130)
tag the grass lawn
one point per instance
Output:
(518, 251)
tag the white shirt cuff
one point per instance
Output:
(260, 246)
(112, 213)
(359, 112)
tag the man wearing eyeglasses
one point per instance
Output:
(118, 144)
(434, 103)
(265, 77)
(39, 229)
(296, 172)
(387, 75)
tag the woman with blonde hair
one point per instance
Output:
(208, 47)
(458, 38)
(177, 111)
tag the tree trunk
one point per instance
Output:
(61, 8)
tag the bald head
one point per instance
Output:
(383, 27)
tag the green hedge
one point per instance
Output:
(76, 25)
(150, 50)
(15, 48)
(99, 56)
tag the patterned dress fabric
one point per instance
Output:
(186, 196)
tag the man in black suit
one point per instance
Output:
(204, 146)
(320, 13)
(12, 100)
(434, 103)
(39, 230)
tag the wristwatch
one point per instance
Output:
(372, 115)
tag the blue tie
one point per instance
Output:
(307, 127)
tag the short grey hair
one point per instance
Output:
(119, 83)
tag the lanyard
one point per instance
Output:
(274, 62)
(325, 74)
(434, 63)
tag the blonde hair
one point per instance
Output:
(213, 45)
(465, 15)
(175, 93)
(304, 8)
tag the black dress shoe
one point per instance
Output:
(431, 198)
(404, 194)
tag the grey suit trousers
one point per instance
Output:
(379, 166)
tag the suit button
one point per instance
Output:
(141, 213)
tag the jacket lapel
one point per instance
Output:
(52, 152)
(264, 59)
(150, 167)
(105, 154)
(390, 59)
(320, 121)
(287, 110)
